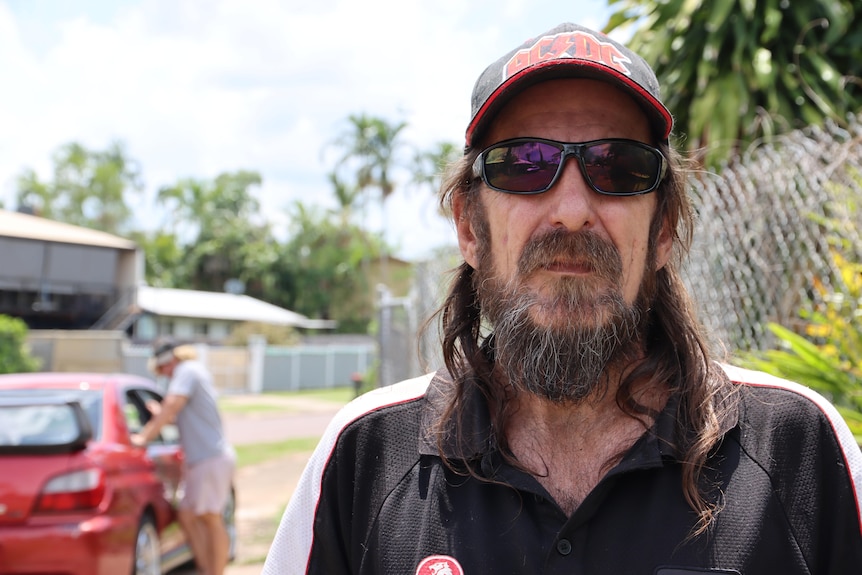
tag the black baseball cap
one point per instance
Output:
(567, 51)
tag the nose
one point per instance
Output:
(571, 199)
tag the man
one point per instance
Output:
(209, 459)
(580, 425)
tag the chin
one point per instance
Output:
(562, 316)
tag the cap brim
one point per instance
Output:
(163, 358)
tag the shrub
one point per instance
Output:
(827, 355)
(274, 334)
(14, 355)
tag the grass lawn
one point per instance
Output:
(254, 453)
(279, 401)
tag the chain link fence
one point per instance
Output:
(763, 241)
(762, 245)
(406, 348)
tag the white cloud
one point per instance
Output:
(196, 88)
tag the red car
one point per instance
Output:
(76, 497)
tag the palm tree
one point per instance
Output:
(370, 146)
(734, 71)
(429, 165)
(345, 195)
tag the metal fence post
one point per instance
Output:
(256, 353)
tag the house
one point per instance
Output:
(57, 276)
(207, 316)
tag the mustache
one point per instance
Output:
(585, 248)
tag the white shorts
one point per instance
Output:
(208, 484)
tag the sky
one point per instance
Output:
(195, 88)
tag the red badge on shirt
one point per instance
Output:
(439, 565)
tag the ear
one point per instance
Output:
(464, 229)
(664, 246)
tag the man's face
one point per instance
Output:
(166, 369)
(569, 262)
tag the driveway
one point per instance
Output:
(264, 489)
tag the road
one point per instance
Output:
(264, 489)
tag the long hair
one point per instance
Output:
(186, 352)
(676, 351)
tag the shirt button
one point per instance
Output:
(564, 547)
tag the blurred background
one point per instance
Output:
(260, 178)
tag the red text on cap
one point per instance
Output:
(580, 45)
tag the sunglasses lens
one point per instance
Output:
(523, 167)
(621, 167)
(617, 167)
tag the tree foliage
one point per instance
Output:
(273, 334)
(14, 355)
(429, 165)
(89, 188)
(828, 355)
(369, 148)
(323, 268)
(214, 230)
(164, 258)
(733, 71)
(217, 232)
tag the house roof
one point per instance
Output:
(25, 226)
(225, 306)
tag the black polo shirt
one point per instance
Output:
(377, 499)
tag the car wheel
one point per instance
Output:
(147, 552)
(230, 524)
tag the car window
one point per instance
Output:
(90, 400)
(138, 414)
(38, 424)
(133, 417)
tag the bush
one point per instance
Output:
(274, 334)
(14, 355)
(827, 356)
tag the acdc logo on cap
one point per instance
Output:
(439, 565)
(578, 45)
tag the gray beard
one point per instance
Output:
(570, 357)
(569, 361)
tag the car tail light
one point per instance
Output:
(73, 491)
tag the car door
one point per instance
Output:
(164, 450)
(167, 457)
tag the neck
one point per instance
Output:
(569, 447)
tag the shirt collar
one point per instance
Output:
(475, 422)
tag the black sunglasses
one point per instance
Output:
(615, 167)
